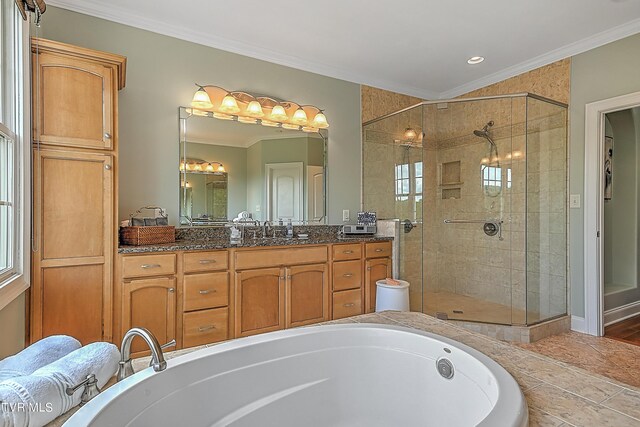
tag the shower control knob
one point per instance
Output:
(490, 228)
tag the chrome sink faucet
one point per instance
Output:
(157, 357)
(266, 226)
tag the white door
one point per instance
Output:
(315, 194)
(284, 191)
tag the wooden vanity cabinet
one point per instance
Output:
(279, 288)
(74, 101)
(377, 267)
(150, 303)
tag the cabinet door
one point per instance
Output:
(150, 304)
(260, 299)
(307, 290)
(73, 101)
(375, 269)
(73, 229)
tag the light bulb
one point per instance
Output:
(410, 134)
(320, 121)
(222, 116)
(181, 166)
(221, 168)
(209, 168)
(201, 99)
(278, 114)
(249, 120)
(229, 105)
(269, 123)
(197, 167)
(300, 117)
(254, 109)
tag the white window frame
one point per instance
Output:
(17, 280)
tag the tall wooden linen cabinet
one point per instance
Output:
(75, 182)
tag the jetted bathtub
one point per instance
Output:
(334, 375)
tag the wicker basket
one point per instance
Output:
(147, 235)
(138, 235)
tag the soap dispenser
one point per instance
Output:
(289, 229)
(236, 236)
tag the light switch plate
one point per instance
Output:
(574, 201)
(345, 215)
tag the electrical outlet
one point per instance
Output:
(574, 201)
(345, 215)
(257, 208)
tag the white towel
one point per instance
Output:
(37, 399)
(37, 355)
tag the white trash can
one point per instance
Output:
(392, 297)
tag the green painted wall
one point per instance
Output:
(161, 72)
(608, 71)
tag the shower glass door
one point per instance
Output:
(473, 178)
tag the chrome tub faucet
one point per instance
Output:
(157, 357)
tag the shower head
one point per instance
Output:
(484, 133)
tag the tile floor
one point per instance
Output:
(610, 358)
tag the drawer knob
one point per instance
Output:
(107, 135)
(347, 252)
(351, 304)
(206, 291)
(206, 328)
(171, 290)
(379, 250)
(348, 275)
(107, 167)
(207, 261)
(147, 266)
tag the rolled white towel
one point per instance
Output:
(39, 398)
(37, 355)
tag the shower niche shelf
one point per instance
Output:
(450, 183)
(450, 174)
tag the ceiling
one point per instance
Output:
(416, 47)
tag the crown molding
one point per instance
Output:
(123, 16)
(101, 9)
(575, 48)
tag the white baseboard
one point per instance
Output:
(578, 324)
(621, 313)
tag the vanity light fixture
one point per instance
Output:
(410, 134)
(475, 60)
(320, 121)
(300, 117)
(278, 114)
(200, 166)
(201, 99)
(254, 109)
(229, 105)
(247, 108)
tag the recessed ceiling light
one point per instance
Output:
(475, 60)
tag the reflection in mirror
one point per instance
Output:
(228, 168)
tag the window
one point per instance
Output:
(402, 182)
(14, 153)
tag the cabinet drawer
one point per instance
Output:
(205, 290)
(378, 249)
(347, 303)
(205, 261)
(148, 265)
(351, 251)
(347, 275)
(278, 257)
(203, 327)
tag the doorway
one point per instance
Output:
(612, 214)
(284, 183)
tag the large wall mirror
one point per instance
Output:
(271, 173)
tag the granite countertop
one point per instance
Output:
(210, 244)
(557, 394)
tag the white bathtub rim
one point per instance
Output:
(503, 413)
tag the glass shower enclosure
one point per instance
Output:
(479, 186)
